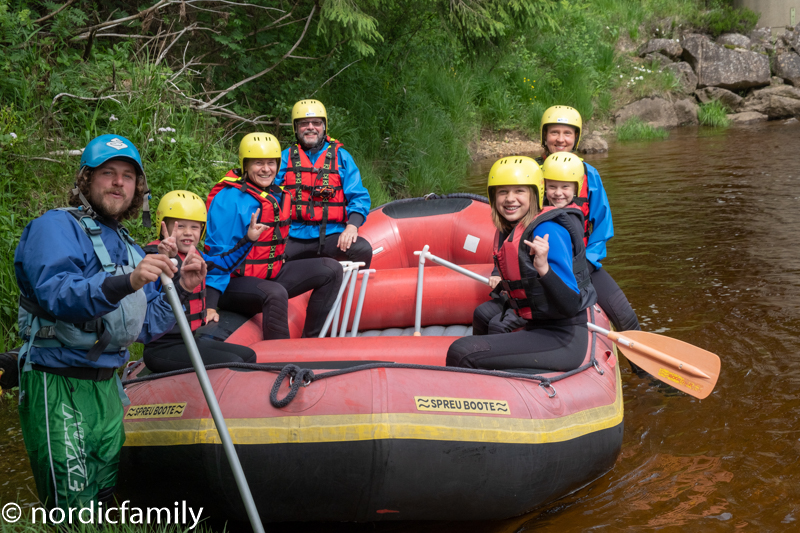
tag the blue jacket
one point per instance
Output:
(55, 265)
(357, 196)
(599, 216)
(559, 257)
(228, 221)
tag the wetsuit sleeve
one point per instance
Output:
(50, 263)
(212, 297)
(559, 283)
(599, 218)
(228, 219)
(279, 177)
(358, 200)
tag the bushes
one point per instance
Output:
(714, 114)
(636, 130)
(726, 19)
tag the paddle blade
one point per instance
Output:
(682, 365)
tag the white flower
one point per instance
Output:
(172, 140)
(13, 135)
(150, 140)
(112, 118)
(161, 130)
(620, 75)
(171, 129)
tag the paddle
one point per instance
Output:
(668, 359)
(211, 399)
(686, 367)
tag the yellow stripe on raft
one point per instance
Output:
(345, 428)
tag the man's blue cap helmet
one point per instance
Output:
(109, 146)
(105, 147)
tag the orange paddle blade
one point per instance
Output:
(682, 365)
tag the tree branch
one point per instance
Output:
(329, 79)
(251, 78)
(54, 13)
(107, 24)
(59, 95)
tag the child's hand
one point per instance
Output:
(256, 229)
(539, 248)
(168, 245)
(211, 316)
(494, 281)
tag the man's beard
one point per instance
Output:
(111, 211)
(305, 145)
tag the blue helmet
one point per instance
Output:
(105, 147)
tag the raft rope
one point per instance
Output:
(303, 377)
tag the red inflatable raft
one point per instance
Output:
(373, 437)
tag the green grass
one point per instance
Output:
(637, 130)
(714, 114)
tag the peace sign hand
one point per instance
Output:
(255, 229)
(539, 249)
(169, 244)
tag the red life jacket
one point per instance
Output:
(316, 190)
(266, 257)
(521, 280)
(196, 311)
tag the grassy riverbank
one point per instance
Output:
(408, 85)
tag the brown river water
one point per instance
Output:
(704, 251)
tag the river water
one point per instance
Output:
(705, 226)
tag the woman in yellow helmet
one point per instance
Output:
(264, 281)
(539, 255)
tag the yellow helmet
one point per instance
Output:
(258, 146)
(564, 166)
(307, 109)
(562, 114)
(184, 205)
(517, 170)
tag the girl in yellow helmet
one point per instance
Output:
(535, 252)
(561, 131)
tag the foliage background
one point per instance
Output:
(409, 84)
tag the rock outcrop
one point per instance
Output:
(787, 66)
(655, 111)
(683, 71)
(593, 143)
(730, 99)
(734, 39)
(748, 117)
(717, 66)
(780, 101)
(686, 112)
(668, 47)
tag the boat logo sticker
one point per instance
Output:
(471, 244)
(462, 405)
(680, 380)
(160, 410)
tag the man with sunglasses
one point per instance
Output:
(329, 201)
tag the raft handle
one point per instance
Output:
(597, 367)
(545, 385)
(305, 383)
